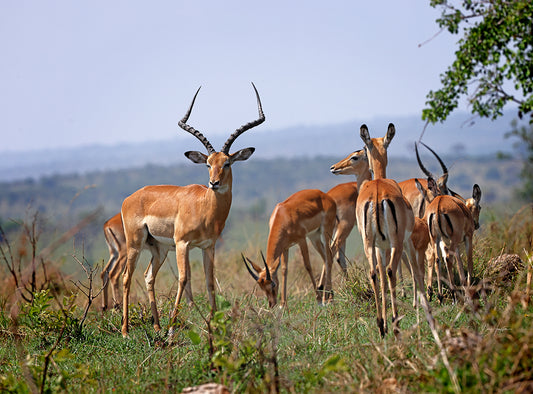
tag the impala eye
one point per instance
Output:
(226, 164)
(208, 165)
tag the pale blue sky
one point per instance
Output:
(75, 73)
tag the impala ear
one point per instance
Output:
(391, 131)
(476, 193)
(420, 188)
(365, 136)
(443, 183)
(241, 155)
(432, 186)
(196, 157)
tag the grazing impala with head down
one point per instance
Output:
(183, 216)
(305, 214)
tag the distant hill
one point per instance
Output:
(459, 135)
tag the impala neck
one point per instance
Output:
(379, 169)
(363, 177)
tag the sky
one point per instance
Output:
(110, 72)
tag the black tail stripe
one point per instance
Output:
(378, 223)
(393, 211)
(431, 225)
(449, 222)
(440, 224)
(366, 212)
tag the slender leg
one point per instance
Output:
(392, 268)
(414, 267)
(400, 274)
(380, 256)
(307, 262)
(327, 257)
(115, 274)
(439, 246)
(182, 260)
(469, 259)
(338, 245)
(372, 261)
(149, 278)
(284, 272)
(133, 255)
(113, 254)
(431, 261)
(188, 287)
(449, 269)
(209, 265)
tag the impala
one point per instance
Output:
(345, 197)
(451, 222)
(182, 216)
(385, 221)
(357, 164)
(114, 269)
(305, 214)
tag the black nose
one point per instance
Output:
(214, 185)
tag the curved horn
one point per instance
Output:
(183, 124)
(444, 169)
(266, 267)
(424, 169)
(247, 126)
(249, 269)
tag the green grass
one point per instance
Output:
(250, 348)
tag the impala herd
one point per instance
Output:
(419, 222)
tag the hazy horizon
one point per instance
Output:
(78, 74)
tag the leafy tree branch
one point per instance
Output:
(494, 59)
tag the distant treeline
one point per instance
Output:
(258, 184)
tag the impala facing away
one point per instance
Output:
(309, 214)
(452, 221)
(182, 216)
(385, 221)
(357, 164)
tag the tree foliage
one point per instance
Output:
(494, 59)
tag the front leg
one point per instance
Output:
(182, 261)
(209, 264)
(284, 273)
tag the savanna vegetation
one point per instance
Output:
(55, 336)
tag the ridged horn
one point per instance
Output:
(183, 124)
(247, 126)
(266, 267)
(444, 169)
(424, 169)
(254, 275)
